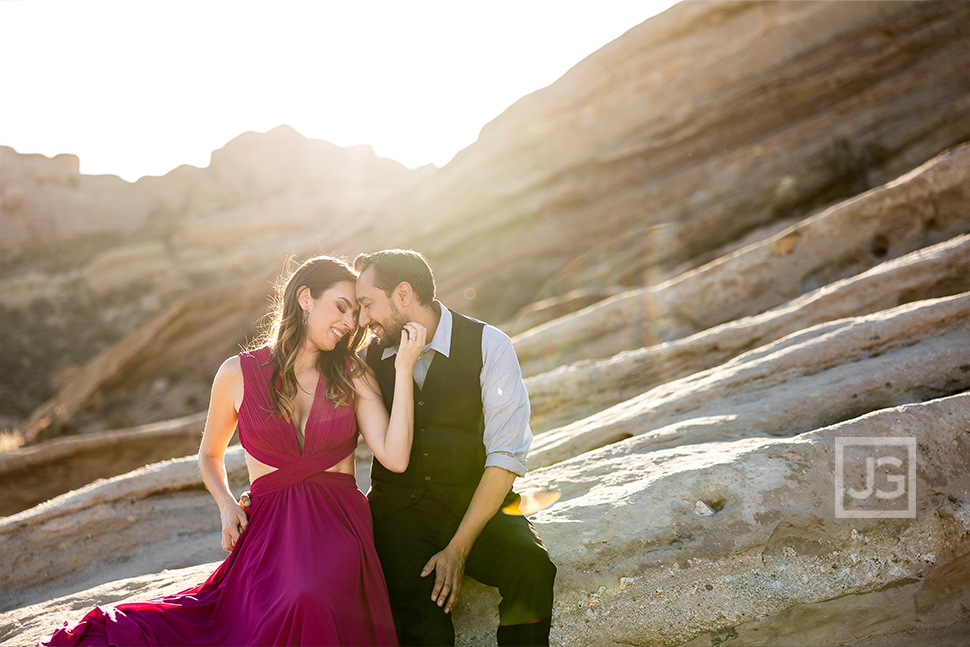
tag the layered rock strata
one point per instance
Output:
(570, 392)
(710, 541)
(921, 208)
(732, 539)
(32, 475)
(704, 127)
(694, 129)
(912, 353)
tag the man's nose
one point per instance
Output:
(363, 319)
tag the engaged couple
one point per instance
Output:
(438, 397)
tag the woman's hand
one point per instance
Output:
(234, 522)
(413, 338)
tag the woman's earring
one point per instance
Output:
(306, 313)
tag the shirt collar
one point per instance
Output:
(441, 341)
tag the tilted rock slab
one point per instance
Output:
(161, 512)
(32, 475)
(766, 561)
(572, 392)
(815, 377)
(712, 541)
(691, 130)
(153, 518)
(922, 208)
(732, 535)
(189, 339)
(25, 625)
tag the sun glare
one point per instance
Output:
(138, 88)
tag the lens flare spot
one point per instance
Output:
(470, 293)
(531, 503)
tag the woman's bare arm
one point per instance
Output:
(220, 423)
(389, 436)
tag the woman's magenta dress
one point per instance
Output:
(305, 571)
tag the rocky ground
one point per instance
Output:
(729, 263)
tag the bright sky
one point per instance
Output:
(139, 87)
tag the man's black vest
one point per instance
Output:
(448, 453)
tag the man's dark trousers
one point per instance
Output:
(508, 554)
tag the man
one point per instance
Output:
(440, 518)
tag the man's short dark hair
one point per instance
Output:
(395, 266)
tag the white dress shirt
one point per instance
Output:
(505, 401)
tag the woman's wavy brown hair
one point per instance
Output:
(284, 334)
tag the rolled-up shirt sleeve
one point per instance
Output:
(505, 404)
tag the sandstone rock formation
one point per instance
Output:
(46, 201)
(722, 257)
(569, 392)
(32, 475)
(908, 354)
(129, 257)
(731, 539)
(652, 156)
(924, 207)
(696, 128)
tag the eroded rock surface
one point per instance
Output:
(570, 392)
(636, 550)
(922, 208)
(717, 539)
(32, 475)
(912, 353)
(706, 125)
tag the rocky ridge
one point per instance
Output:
(657, 154)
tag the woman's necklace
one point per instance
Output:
(300, 384)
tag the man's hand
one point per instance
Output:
(449, 564)
(449, 568)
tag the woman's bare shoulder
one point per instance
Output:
(230, 374)
(231, 367)
(365, 383)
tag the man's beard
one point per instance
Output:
(392, 328)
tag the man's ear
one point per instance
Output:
(404, 294)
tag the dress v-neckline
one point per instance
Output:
(309, 415)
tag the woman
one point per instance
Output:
(302, 568)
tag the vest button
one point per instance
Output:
(427, 478)
(426, 453)
(420, 403)
(414, 497)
